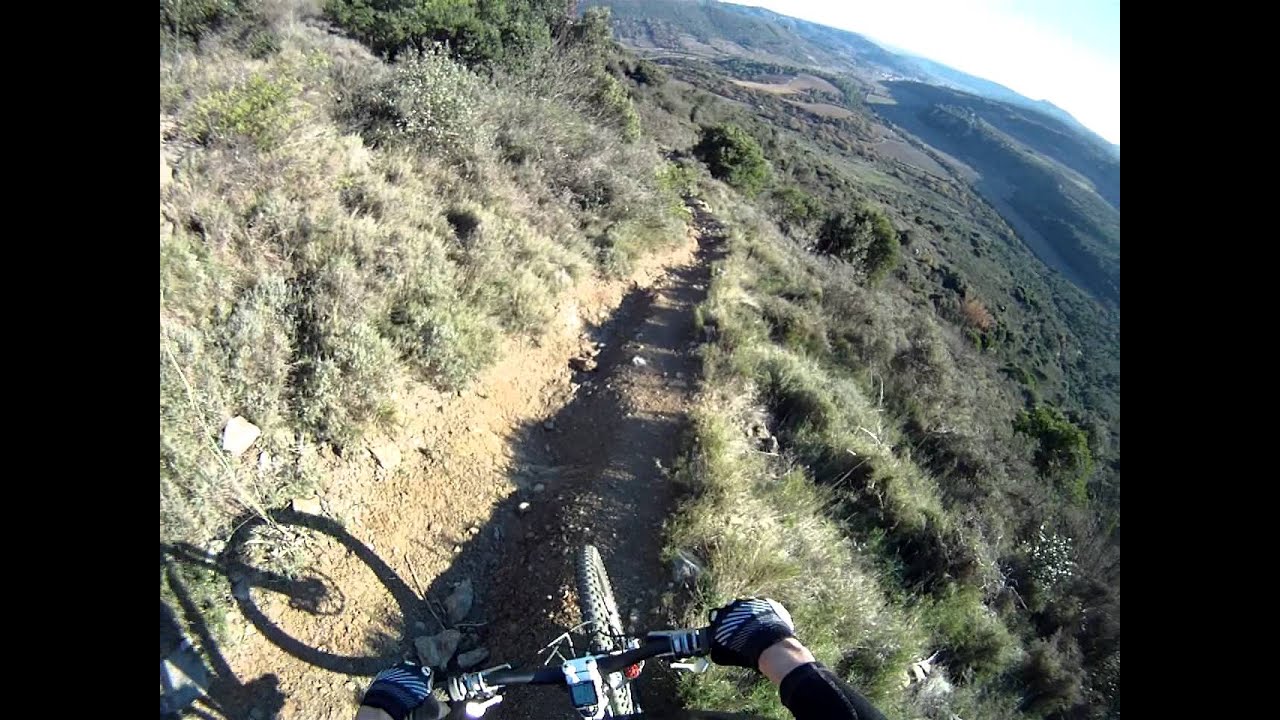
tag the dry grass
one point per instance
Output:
(843, 526)
(977, 315)
(312, 260)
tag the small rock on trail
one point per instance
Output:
(309, 506)
(436, 650)
(685, 568)
(458, 604)
(468, 660)
(387, 455)
(238, 435)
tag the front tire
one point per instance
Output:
(604, 622)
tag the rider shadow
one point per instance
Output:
(572, 487)
(187, 674)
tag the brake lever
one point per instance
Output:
(693, 665)
(477, 709)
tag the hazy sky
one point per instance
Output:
(1063, 51)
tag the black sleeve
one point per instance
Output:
(812, 692)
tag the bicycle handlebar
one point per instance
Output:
(682, 643)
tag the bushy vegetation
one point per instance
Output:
(193, 19)
(908, 440)
(1063, 449)
(476, 30)
(334, 228)
(864, 237)
(256, 109)
(734, 156)
(913, 406)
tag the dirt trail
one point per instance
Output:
(586, 450)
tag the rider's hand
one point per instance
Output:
(399, 690)
(746, 627)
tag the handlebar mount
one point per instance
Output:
(585, 676)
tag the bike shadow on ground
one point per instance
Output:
(198, 676)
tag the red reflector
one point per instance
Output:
(633, 671)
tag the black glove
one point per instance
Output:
(746, 627)
(399, 690)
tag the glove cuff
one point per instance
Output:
(389, 698)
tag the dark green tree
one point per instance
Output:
(732, 155)
(863, 237)
(476, 30)
(1063, 453)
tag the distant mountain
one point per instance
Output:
(1058, 188)
(940, 74)
(1052, 179)
(713, 28)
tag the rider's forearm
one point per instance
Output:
(368, 713)
(808, 689)
(783, 657)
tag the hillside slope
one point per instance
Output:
(1001, 136)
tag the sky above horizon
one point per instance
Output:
(1063, 51)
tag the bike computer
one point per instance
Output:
(586, 686)
(584, 694)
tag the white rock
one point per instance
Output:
(685, 568)
(310, 506)
(238, 435)
(523, 507)
(458, 604)
(387, 455)
(639, 361)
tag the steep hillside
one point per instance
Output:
(918, 416)
(939, 74)
(1060, 191)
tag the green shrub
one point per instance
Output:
(475, 30)
(795, 327)
(734, 156)
(260, 42)
(193, 19)
(617, 103)
(976, 643)
(677, 179)
(258, 109)
(797, 209)
(863, 237)
(1053, 676)
(1063, 448)
(427, 99)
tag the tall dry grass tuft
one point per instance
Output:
(977, 315)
